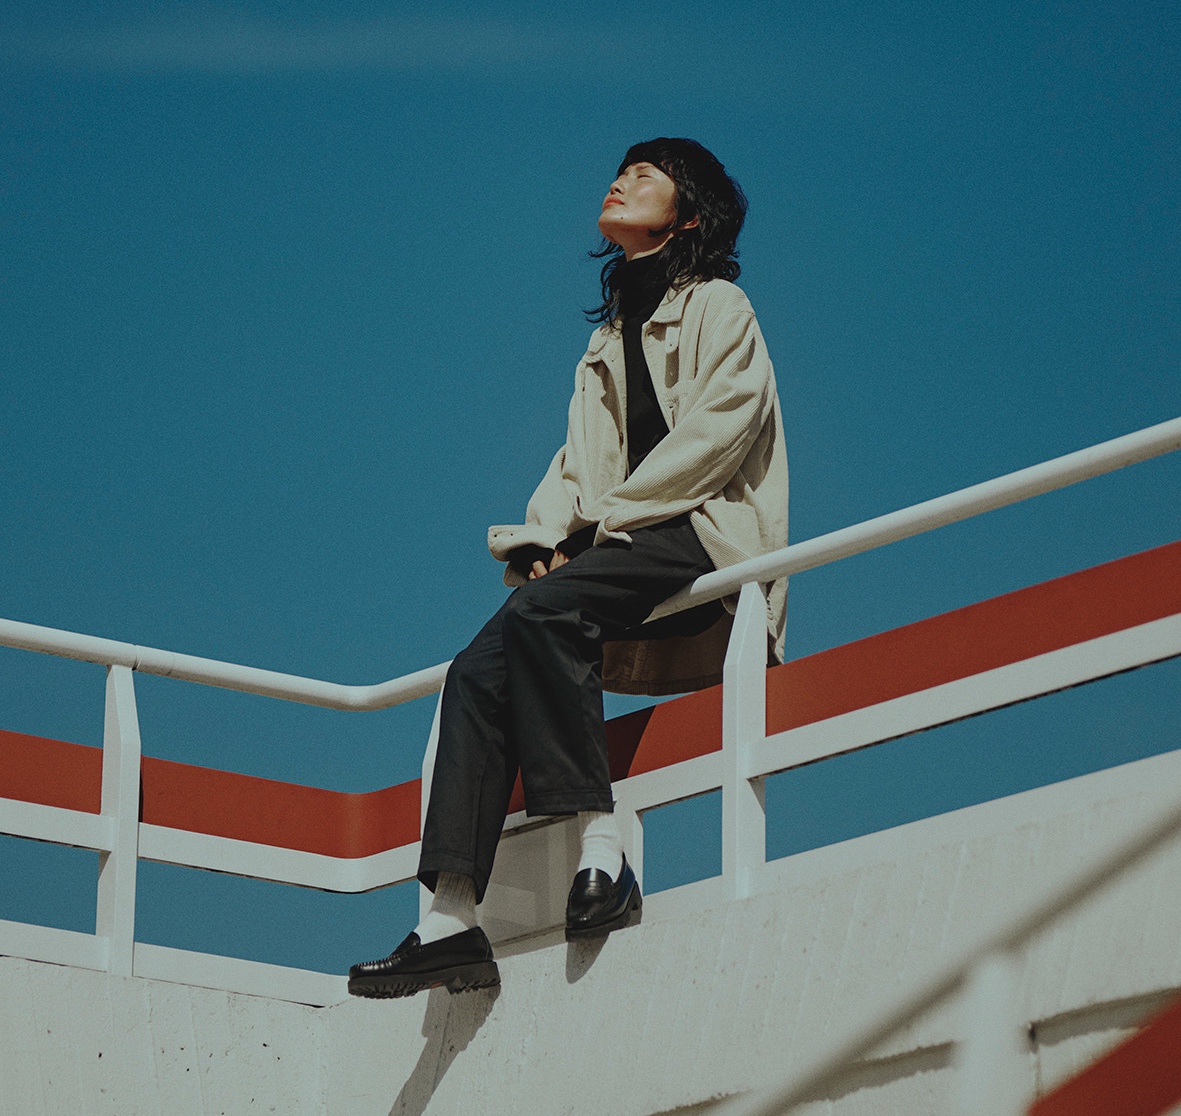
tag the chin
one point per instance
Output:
(605, 229)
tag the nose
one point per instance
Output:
(616, 187)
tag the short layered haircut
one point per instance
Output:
(708, 250)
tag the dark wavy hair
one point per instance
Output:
(709, 250)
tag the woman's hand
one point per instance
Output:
(540, 569)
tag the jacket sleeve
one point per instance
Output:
(733, 399)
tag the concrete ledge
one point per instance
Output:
(663, 1016)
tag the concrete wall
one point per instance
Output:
(81, 1042)
(664, 1015)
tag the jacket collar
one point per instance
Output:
(671, 310)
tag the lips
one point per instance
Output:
(612, 201)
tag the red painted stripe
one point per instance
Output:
(50, 772)
(1006, 629)
(223, 803)
(1140, 1077)
(290, 816)
(674, 731)
(957, 644)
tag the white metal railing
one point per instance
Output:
(739, 769)
(1012, 488)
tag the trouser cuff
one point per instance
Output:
(569, 802)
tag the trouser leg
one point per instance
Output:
(527, 693)
(475, 765)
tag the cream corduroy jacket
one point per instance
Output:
(723, 461)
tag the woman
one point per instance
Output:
(674, 465)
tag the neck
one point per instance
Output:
(648, 247)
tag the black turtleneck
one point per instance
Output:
(641, 287)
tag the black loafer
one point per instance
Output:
(598, 904)
(461, 962)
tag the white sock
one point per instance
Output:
(453, 908)
(602, 847)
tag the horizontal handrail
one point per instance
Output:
(226, 676)
(1012, 488)
(1006, 935)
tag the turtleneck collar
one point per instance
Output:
(641, 285)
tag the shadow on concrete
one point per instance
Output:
(581, 955)
(1127, 1015)
(450, 1023)
(883, 1072)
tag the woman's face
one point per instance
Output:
(641, 199)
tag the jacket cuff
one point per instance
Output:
(503, 540)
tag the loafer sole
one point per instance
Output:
(458, 978)
(631, 914)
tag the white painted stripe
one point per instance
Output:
(47, 943)
(52, 823)
(268, 862)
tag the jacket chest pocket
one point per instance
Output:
(664, 363)
(600, 393)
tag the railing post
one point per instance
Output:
(115, 919)
(992, 1060)
(428, 774)
(744, 723)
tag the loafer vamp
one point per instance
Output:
(411, 956)
(592, 888)
(598, 902)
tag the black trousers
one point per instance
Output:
(527, 693)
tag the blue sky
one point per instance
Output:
(291, 299)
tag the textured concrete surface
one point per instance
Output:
(664, 1015)
(77, 1041)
